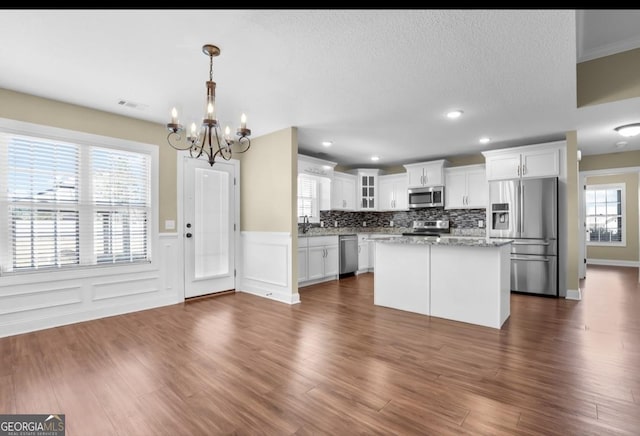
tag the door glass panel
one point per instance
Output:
(211, 239)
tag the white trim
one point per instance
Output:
(583, 179)
(180, 155)
(574, 294)
(266, 266)
(613, 262)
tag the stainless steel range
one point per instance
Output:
(429, 228)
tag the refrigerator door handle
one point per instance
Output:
(530, 243)
(531, 259)
(521, 208)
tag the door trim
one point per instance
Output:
(180, 156)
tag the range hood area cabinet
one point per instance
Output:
(466, 187)
(425, 174)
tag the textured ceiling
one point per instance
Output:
(375, 82)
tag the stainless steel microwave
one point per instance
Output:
(429, 196)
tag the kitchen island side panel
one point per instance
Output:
(401, 279)
(471, 284)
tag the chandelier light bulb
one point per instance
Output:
(243, 121)
(174, 116)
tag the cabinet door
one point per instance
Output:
(455, 190)
(349, 193)
(415, 177)
(366, 197)
(331, 260)
(400, 196)
(315, 262)
(386, 194)
(302, 265)
(540, 163)
(503, 167)
(337, 199)
(477, 189)
(363, 255)
(433, 174)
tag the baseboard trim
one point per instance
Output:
(613, 262)
(282, 297)
(574, 294)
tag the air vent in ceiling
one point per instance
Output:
(133, 105)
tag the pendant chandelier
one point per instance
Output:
(207, 141)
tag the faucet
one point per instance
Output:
(305, 224)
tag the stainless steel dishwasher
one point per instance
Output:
(348, 254)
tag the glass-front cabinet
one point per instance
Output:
(367, 189)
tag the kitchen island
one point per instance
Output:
(461, 279)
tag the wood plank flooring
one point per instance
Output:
(336, 364)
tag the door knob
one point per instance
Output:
(188, 235)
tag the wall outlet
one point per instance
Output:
(481, 223)
(335, 223)
(391, 223)
(364, 224)
(321, 223)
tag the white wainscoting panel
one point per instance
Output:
(266, 266)
(36, 301)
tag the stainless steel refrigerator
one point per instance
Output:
(526, 210)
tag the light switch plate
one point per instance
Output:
(481, 223)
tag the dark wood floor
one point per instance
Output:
(336, 364)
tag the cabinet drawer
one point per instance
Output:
(321, 241)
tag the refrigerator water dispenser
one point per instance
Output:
(500, 216)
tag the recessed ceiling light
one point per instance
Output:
(326, 167)
(454, 114)
(628, 130)
(621, 144)
(485, 140)
(327, 143)
(375, 158)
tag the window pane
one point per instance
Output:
(613, 195)
(603, 207)
(600, 196)
(44, 238)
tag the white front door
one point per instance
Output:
(209, 220)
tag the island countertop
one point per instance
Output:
(444, 241)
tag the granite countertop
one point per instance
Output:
(446, 241)
(391, 231)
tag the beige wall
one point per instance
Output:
(31, 109)
(630, 251)
(610, 160)
(573, 215)
(609, 78)
(268, 192)
(467, 159)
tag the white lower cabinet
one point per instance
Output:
(319, 254)
(364, 264)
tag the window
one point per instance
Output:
(605, 214)
(65, 204)
(308, 203)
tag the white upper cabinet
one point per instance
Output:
(367, 193)
(425, 173)
(541, 160)
(466, 187)
(343, 191)
(392, 192)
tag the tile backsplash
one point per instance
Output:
(458, 218)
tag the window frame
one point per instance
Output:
(315, 199)
(83, 139)
(623, 213)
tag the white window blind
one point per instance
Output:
(65, 204)
(307, 197)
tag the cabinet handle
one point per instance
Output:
(524, 170)
(518, 170)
